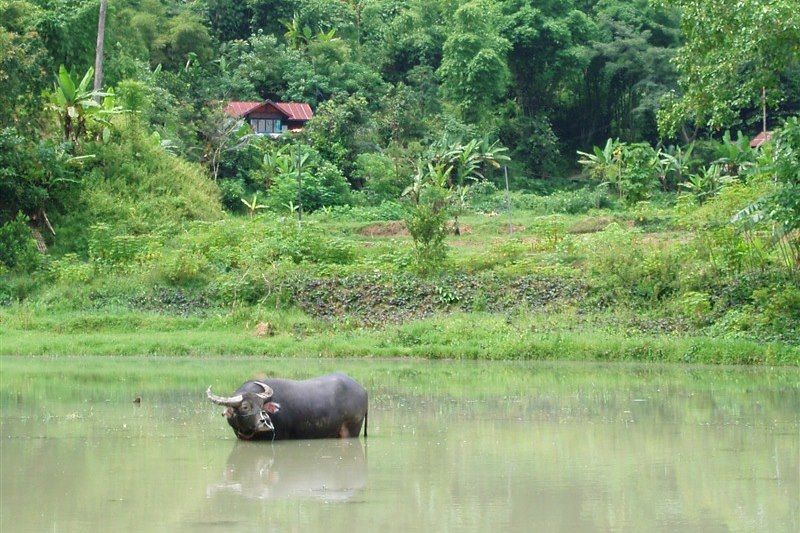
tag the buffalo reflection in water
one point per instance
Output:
(329, 470)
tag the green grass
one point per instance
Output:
(637, 286)
(485, 336)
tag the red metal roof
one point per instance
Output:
(292, 110)
(760, 139)
(240, 109)
(295, 111)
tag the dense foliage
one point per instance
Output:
(614, 135)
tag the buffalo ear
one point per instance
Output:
(271, 407)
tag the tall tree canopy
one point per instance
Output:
(732, 48)
(474, 69)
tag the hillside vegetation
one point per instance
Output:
(638, 223)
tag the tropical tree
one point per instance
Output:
(224, 134)
(732, 49)
(474, 69)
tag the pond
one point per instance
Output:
(452, 447)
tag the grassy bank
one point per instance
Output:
(490, 336)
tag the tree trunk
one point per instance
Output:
(40, 244)
(98, 57)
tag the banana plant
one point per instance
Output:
(297, 35)
(735, 156)
(707, 182)
(603, 163)
(78, 106)
(676, 161)
(253, 206)
(468, 161)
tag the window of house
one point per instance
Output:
(266, 125)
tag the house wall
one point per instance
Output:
(266, 122)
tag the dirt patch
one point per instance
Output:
(397, 228)
(394, 228)
(590, 225)
(503, 229)
(264, 329)
(464, 229)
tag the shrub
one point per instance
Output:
(696, 305)
(627, 267)
(380, 181)
(110, 246)
(390, 210)
(570, 202)
(185, 267)
(780, 306)
(232, 192)
(69, 269)
(427, 218)
(309, 243)
(321, 185)
(17, 246)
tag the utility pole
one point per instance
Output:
(98, 57)
(299, 191)
(508, 203)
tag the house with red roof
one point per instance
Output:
(271, 118)
(760, 139)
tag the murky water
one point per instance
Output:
(451, 448)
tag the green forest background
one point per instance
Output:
(639, 223)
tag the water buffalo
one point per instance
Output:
(332, 406)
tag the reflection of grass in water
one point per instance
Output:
(89, 377)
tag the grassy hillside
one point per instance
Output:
(658, 281)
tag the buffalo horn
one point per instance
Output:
(233, 401)
(267, 394)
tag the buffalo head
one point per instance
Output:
(248, 412)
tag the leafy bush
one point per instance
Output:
(110, 247)
(570, 202)
(625, 266)
(380, 181)
(309, 243)
(390, 210)
(17, 246)
(780, 306)
(786, 200)
(70, 270)
(33, 176)
(321, 183)
(232, 192)
(427, 217)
